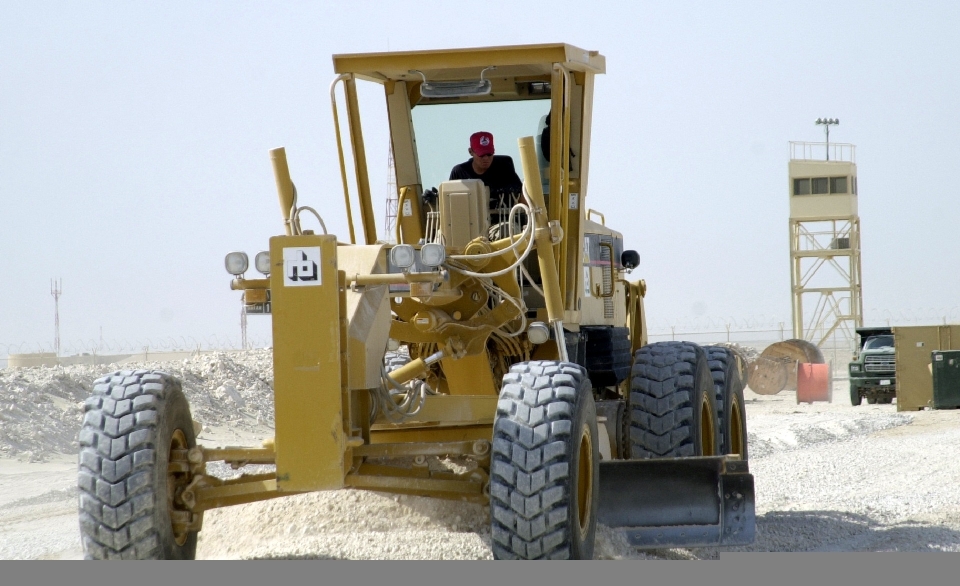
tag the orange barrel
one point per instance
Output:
(813, 382)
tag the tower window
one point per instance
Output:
(820, 185)
(838, 185)
(801, 187)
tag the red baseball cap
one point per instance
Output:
(481, 143)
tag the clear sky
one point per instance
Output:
(134, 143)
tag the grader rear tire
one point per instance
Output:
(544, 475)
(672, 405)
(728, 389)
(128, 493)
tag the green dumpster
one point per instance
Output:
(946, 378)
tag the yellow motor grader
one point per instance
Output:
(489, 349)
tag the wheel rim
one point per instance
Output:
(736, 429)
(585, 480)
(707, 429)
(176, 481)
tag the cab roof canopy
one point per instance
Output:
(518, 62)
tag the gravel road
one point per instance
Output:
(829, 477)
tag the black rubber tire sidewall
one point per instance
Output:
(581, 546)
(649, 362)
(855, 398)
(729, 392)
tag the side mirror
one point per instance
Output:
(630, 259)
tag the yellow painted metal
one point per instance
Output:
(403, 141)
(367, 313)
(343, 166)
(548, 266)
(409, 220)
(307, 365)
(636, 316)
(434, 487)
(245, 284)
(409, 371)
(227, 495)
(285, 194)
(360, 162)
(454, 410)
(393, 278)
(477, 448)
(389, 434)
(510, 60)
(252, 296)
(470, 375)
(568, 261)
(248, 455)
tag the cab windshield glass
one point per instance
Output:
(443, 132)
(877, 342)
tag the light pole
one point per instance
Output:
(827, 122)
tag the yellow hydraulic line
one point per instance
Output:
(414, 368)
(343, 167)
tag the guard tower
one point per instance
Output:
(825, 244)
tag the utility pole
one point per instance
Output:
(243, 323)
(56, 289)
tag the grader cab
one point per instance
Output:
(490, 349)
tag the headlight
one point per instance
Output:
(433, 254)
(236, 263)
(854, 368)
(402, 256)
(262, 262)
(538, 332)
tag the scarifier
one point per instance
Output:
(492, 350)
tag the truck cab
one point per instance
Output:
(873, 369)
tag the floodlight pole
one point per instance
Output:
(826, 122)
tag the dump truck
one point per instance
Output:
(873, 370)
(489, 349)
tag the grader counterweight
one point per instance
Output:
(493, 351)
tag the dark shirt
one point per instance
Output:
(500, 177)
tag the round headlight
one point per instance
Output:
(402, 256)
(433, 254)
(236, 263)
(262, 262)
(538, 332)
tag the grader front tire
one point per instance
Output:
(128, 489)
(544, 475)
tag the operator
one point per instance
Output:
(496, 171)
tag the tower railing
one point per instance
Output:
(817, 151)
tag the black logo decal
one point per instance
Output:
(303, 270)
